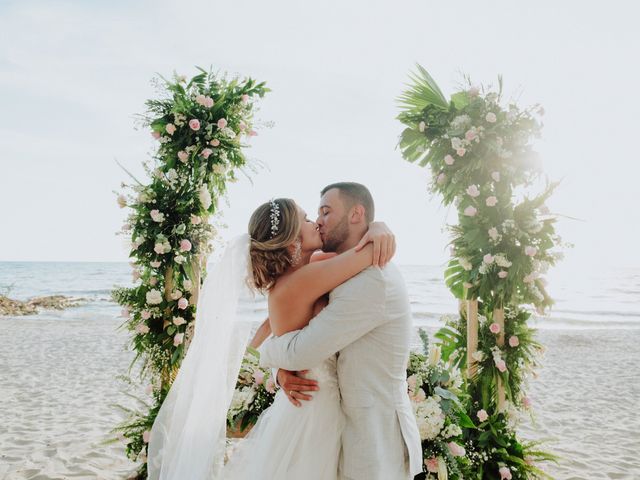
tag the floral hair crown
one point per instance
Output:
(275, 217)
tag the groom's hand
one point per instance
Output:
(293, 385)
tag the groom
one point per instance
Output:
(368, 321)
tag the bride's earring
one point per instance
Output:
(296, 256)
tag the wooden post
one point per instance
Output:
(498, 317)
(166, 376)
(472, 336)
(196, 268)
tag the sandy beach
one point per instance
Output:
(58, 382)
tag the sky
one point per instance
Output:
(74, 74)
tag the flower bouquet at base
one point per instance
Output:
(435, 391)
(254, 393)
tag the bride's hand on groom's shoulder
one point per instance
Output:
(384, 243)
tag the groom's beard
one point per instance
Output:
(336, 237)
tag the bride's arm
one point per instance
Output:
(312, 281)
(263, 332)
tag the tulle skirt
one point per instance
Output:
(291, 442)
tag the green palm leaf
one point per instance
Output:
(422, 92)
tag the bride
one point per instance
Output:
(288, 442)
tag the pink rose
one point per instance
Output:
(470, 135)
(431, 464)
(470, 211)
(491, 117)
(215, 142)
(411, 381)
(455, 449)
(146, 435)
(503, 274)
(222, 123)
(496, 176)
(419, 396)
(514, 341)
(494, 328)
(491, 201)
(194, 124)
(505, 473)
(488, 259)
(461, 152)
(449, 160)
(200, 99)
(530, 251)
(501, 365)
(183, 303)
(245, 98)
(158, 248)
(177, 321)
(258, 377)
(185, 245)
(155, 135)
(170, 128)
(206, 152)
(270, 386)
(473, 191)
(141, 328)
(153, 281)
(441, 179)
(178, 339)
(183, 156)
(482, 415)
(195, 220)
(208, 102)
(145, 314)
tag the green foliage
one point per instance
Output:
(200, 126)
(482, 161)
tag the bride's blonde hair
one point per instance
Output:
(273, 226)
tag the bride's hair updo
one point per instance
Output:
(273, 227)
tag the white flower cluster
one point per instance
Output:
(451, 430)
(241, 399)
(430, 417)
(501, 260)
(460, 121)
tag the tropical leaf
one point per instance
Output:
(422, 92)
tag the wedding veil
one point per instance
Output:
(187, 440)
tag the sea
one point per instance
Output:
(602, 298)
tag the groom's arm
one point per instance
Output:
(356, 308)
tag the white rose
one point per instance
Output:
(154, 297)
(219, 169)
(464, 263)
(204, 196)
(157, 216)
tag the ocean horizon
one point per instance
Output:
(605, 299)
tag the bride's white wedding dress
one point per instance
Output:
(290, 442)
(187, 440)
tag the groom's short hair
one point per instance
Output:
(354, 194)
